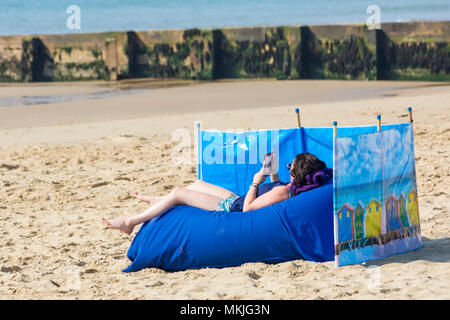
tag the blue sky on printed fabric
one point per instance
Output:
(375, 156)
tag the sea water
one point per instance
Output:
(58, 16)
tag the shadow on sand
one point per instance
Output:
(433, 250)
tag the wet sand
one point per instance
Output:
(58, 179)
(65, 103)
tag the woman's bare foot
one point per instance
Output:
(148, 199)
(119, 224)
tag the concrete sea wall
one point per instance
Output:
(75, 57)
(414, 51)
(260, 52)
(61, 57)
(403, 51)
(183, 54)
(15, 59)
(339, 52)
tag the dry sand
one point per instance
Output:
(56, 182)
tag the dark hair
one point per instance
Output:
(304, 164)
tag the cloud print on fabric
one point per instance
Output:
(360, 158)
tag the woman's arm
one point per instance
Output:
(252, 202)
(250, 196)
(275, 195)
(252, 192)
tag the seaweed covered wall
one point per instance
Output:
(339, 52)
(77, 57)
(121, 56)
(257, 52)
(404, 51)
(185, 54)
(414, 51)
(15, 59)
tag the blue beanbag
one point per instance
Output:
(186, 237)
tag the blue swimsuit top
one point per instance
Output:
(238, 204)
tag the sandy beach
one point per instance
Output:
(66, 164)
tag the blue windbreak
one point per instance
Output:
(230, 160)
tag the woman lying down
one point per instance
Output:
(306, 172)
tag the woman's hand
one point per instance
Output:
(259, 177)
(273, 168)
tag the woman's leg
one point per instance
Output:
(178, 196)
(148, 199)
(206, 187)
(198, 185)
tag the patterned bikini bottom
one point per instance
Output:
(225, 203)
